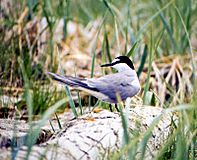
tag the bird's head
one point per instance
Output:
(120, 63)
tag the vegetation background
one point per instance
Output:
(75, 37)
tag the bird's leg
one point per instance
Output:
(116, 106)
(110, 107)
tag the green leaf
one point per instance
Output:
(143, 60)
(153, 17)
(131, 51)
(146, 88)
(150, 99)
(107, 47)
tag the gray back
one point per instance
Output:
(116, 84)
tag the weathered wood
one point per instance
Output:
(97, 135)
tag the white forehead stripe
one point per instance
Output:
(115, 60)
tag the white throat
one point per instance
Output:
(120, 67)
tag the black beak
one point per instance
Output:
(106, 65)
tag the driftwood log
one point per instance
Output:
(95, 135)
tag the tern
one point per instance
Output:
(124, 83)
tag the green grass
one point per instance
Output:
(163, 27)
(181, 144)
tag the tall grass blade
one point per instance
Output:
(66, 18)
(131, 148)
(125, 126)
(117, 34)
(58, 121)
(150, 99)
(51, 126)
(124, 120)
(108, 7)
(107, 4)
(169, 31)
(79, 101)
(143, 60)
(96, 105)
(166, 146)
(34, 131)
(131, 51)
(190, 45)
(158, 42)
(107, 47)
(48, 12)
(28, 95)
(126, 137)
(71, 102)
(94, 53)
(14, 146)
(52, 110)
(152, 18)
(180, 107)
(127, 24)
(147, 136)
(149, 70)
(181, 146)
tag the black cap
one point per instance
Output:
(120, 59)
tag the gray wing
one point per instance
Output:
(119, 83)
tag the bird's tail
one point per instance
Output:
(70, 81)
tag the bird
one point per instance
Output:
(124, 83)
